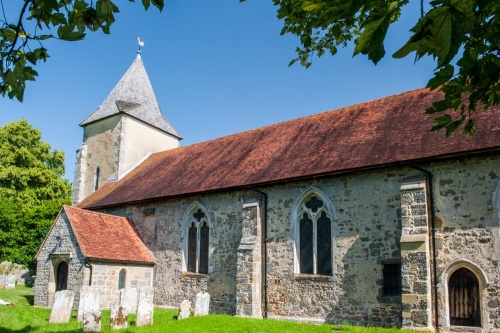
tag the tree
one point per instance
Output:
(463, 36)
(21, 41)
(32, 190)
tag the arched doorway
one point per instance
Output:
(464, 299)
(62, 276)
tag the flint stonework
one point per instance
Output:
(61, 308)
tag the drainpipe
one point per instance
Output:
(433, 238)
(89, 266)
(264, 227)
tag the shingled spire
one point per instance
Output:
(126, 127)
(134, 96)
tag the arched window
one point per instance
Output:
(122, 277)
(312, 220)
(62, 276)
(196, 240)
(464, 299)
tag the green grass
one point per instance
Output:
(24, 318)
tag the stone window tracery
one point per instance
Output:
(196, 241)
(314, 244)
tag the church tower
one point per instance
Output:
(127, 127)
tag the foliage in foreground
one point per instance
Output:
(32, 190)
(22, 35)
(25, 318)
(462, 36)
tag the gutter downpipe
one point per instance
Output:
(89, 266)
(264, 245)
(433, 236)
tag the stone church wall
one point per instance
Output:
(59, 245)
(103, 137)
(368, 229)
(105, 277)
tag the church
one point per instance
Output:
(356, 215)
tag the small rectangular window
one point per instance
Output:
(392, 279)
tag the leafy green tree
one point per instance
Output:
(463, 36)
(21, 39)
(32, 190)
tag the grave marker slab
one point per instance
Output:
(184, 310)
(92, 321)
(118, 318)
(10, 282)
(61, 308)
(144, 313)
(89, 300)
(128, 299)
(202, 304)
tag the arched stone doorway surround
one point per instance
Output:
(445, 295)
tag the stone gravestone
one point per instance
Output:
(92, 320)
(118, 318)
(202, 304)
(128, 299)
(61, 308)
(144, 313)
(184, 310)
(89, 301)
(147, 293)
(10, 282)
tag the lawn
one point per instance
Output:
(24, 318)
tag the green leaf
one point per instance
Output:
(441, 122)
(65, 32)
(146, 3)
(441, 77)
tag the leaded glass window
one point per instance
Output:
(198, 240)
(122, 277)
(192, 245)
(315, 238)
(204, 231)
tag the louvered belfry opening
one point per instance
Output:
(464, 299)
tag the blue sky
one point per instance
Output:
(217, 68)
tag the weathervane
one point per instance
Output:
(141, 43)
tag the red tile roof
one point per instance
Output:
(107, 237)
(387, 131)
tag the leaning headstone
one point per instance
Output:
(147, 293)
(89, 301)
(10, 282)
(184, 310)
(144, 313)
(92, 321)
(118, 318)
(2, 281)
(202, 304)
(128, 299)
(61, 308)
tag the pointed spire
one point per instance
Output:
(134, 96)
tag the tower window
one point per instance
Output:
(96, 178)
